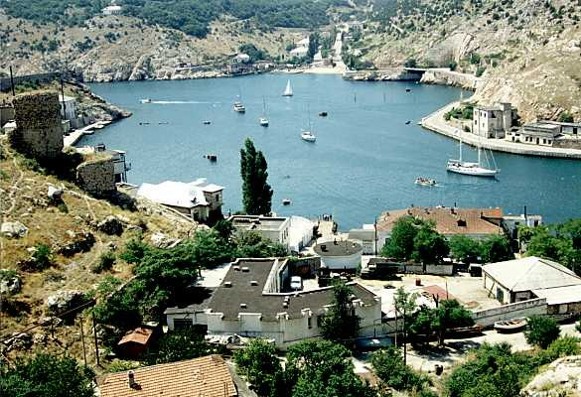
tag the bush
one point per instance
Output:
(390, 368)
(541, 331)
(561, 347)
(410, 63)
(480, 71)
(106, 262)
(566, 117)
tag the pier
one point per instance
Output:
(73, 137)
(435, 122)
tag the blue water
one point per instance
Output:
(365, 159)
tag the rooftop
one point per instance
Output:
(531, 273)
(179, 194)
(448, 220)
(252, 222)
(337, 248)
(140, 335)
(560, 295)
(246, 281)
(203, 376)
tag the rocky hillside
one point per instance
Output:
(525, 51)
(113, 48)
(55, 249)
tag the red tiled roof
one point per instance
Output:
(449, 221)
(139, 335)
(438, 292)
(201, 377)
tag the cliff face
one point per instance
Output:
(527, 52)
(117, 48)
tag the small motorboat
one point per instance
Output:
(423, 181)
(239, 107)
(206, 122)
(514, 325)
(145, 100)
(144, 123)
(263, 121)
(163, 123)
(323, 114)
(286, 201)
(408, 122)
(212, 157)
(308, 136)
(408, 90)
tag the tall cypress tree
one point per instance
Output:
(256, 192)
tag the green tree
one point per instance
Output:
(561, 347)
(401, 242)
(430, 247)
(341, 324)
(448, 314)
(465, 249)
(250, 244)
(496, 249)
(320, 368)
(541, 331)
(178, 345)
(405, 305)
(45, 375)
(566, 117)
(391, 369)
(259, 363)
(256, 192)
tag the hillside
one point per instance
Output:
(72, 237)
(525, 51)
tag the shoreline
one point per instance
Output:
(435, 122)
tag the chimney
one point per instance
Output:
(131, 379)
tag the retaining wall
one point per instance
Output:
(488, 317)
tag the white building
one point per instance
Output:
(339, 254)
(527, 278)
(492, 121)
(365, 236)
(242, 58)
(68, 107)
(248, 303)
(276, 229)
(300, 233)
(112, 9)
(302, 48)
(198, 199)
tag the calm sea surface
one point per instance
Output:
(365, 159)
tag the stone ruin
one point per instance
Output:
(38, 125)
(97, 176)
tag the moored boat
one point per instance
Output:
(239, 107)
(480, 168)
(514, 325)
(286, 201)
(263, 121)
(423, 181)
(288, 91)
(308, 136)
(323, 114)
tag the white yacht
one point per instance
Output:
(308, 136)
(239, 107)
(480, 168)
(263, 120)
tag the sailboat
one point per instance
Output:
(263, 120)
(288, 91)
(459, 166)
(307, 135)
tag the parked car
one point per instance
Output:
(296, 283)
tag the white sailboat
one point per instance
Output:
(308, 135)
(263, 120)
(288, 91)
(459, 166)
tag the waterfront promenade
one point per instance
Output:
(435, 122)
(73, 137)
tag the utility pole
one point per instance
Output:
(63, 98)
(96, 343)
(12, 81)
(83, 340)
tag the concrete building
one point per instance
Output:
(511, 223)
(366, 237)
(202, 376)
(339, 255)
(300, 233)
(68, 107)
(198, 200)
(249, 303)
(477, 223)
(492, 121)
(276, 229)
(529, 278)
(112, 9)
(548, 133)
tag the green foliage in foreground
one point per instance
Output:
(340, 324)
(46, 376)
(390, 368)
(489, 250)
(315, 368)
(449, 314)
(182, 344)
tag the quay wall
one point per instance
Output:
(435, 122)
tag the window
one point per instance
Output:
(309, 322)
(181, 323)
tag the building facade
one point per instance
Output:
(492, 121)
(275, 229)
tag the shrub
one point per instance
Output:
(480, 71)
(566, 117)
(541, 331)
(106, 262)
(561, 347)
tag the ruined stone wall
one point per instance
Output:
(97, 177)
(38, 121)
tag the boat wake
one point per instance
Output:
(183, 102)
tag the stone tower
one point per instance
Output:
(38, 130)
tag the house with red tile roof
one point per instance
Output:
(204, 376)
